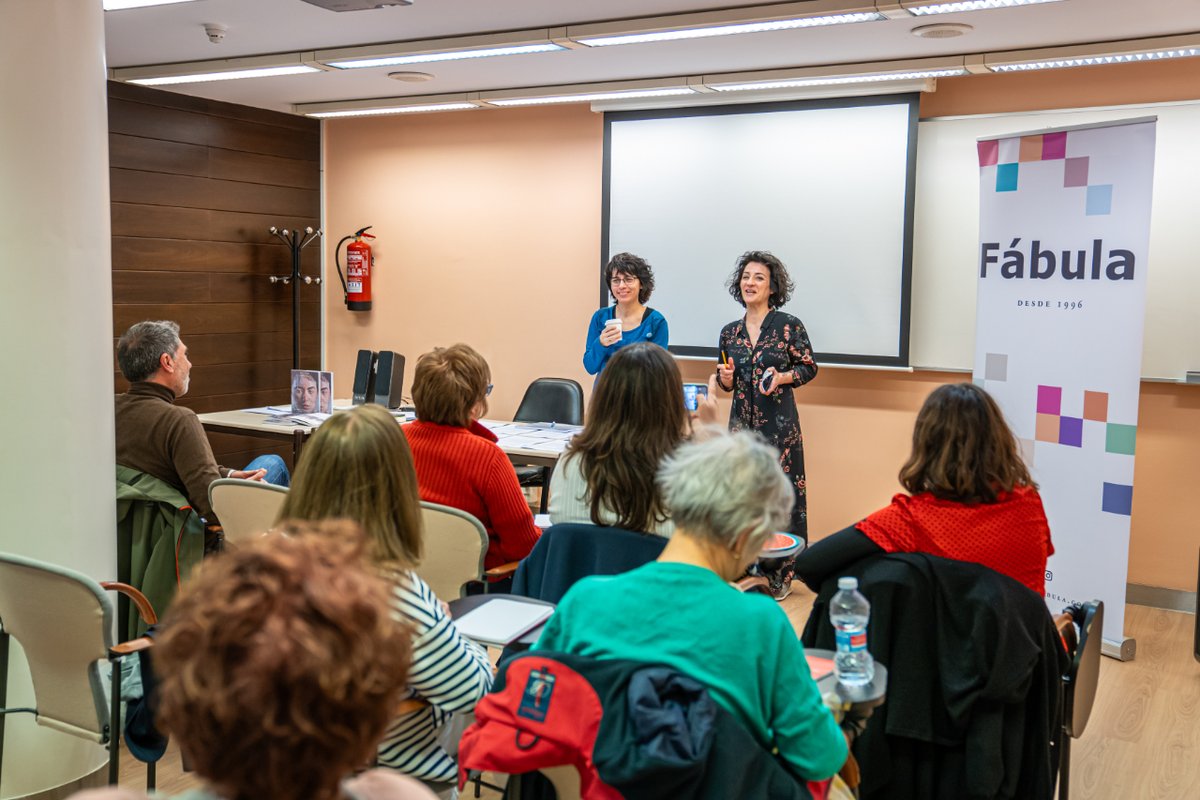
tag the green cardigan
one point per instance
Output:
(153, 518)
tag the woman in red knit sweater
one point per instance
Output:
(458, 461)
(970, 498)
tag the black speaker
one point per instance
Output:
(364, 378)
(389, 379)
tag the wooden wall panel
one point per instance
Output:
(195, 186)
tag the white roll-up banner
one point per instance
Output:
(1064, 230)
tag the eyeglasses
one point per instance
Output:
(488, 390)
(623, 280)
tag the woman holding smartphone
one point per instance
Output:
(630, 281)
(763, 356)
(635, 420)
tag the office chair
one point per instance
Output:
(247, 509)
(455, 545)
(548, 400)
(63, 621)
(1079, 684)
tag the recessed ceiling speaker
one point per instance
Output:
(411, 77)
(356, 5)
(942, 30)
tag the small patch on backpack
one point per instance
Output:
(535, 700)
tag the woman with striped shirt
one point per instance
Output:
(358, 466)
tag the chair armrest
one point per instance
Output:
(850, 773)
(1065, 624)
(145, 610)
(752, 583)
(411, 706)
(132, 646)
(502, 571)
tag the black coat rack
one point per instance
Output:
(296, 241)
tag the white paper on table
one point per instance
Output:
(501, 621)
(522, 442)
(555, 434)
(542, 520)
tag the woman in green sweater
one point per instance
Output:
(726, 494)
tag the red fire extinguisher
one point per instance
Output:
(356, 283)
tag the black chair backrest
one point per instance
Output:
(1084, 673)
(974, 664)
(552, 400)
(567, 552)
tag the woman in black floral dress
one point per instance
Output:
(763, 356)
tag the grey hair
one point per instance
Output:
(728, 483)
(141, 347)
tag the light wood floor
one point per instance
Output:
(1142, 743)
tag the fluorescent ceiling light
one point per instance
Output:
(379, 106)
(426, 51)
(954, 6)
(724, 22)
(426, 58)
(727, 30)
(589, 97)
(232, 75)
(1084, 55)
(226, 69)
(1088, 61)
(372, 112)
(118, 5)
(796, 83)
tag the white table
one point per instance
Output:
(534, 443)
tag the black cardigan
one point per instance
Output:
(974, 670)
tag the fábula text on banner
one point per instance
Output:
(1045, 263)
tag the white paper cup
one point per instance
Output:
(614, 323)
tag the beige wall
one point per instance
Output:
(489, 233)
(489, 226)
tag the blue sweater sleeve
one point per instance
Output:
(594, 353)
(658, 331)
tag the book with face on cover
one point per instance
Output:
(312, 391)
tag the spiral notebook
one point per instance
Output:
(502, 621)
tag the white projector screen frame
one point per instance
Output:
(828, 186)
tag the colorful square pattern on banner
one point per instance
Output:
(1064, 225)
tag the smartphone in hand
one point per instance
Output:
(765, 384)
(692, 392)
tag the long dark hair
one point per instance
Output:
(963, 450)
(636, 419)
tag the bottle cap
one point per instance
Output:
(848, 583)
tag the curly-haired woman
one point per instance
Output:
(763, 356)
(630, 281)
(279, 668)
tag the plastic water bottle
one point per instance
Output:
(849, 612)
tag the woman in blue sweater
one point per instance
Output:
(630, 282)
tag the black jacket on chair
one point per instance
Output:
(974, 664)
(565, 553)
